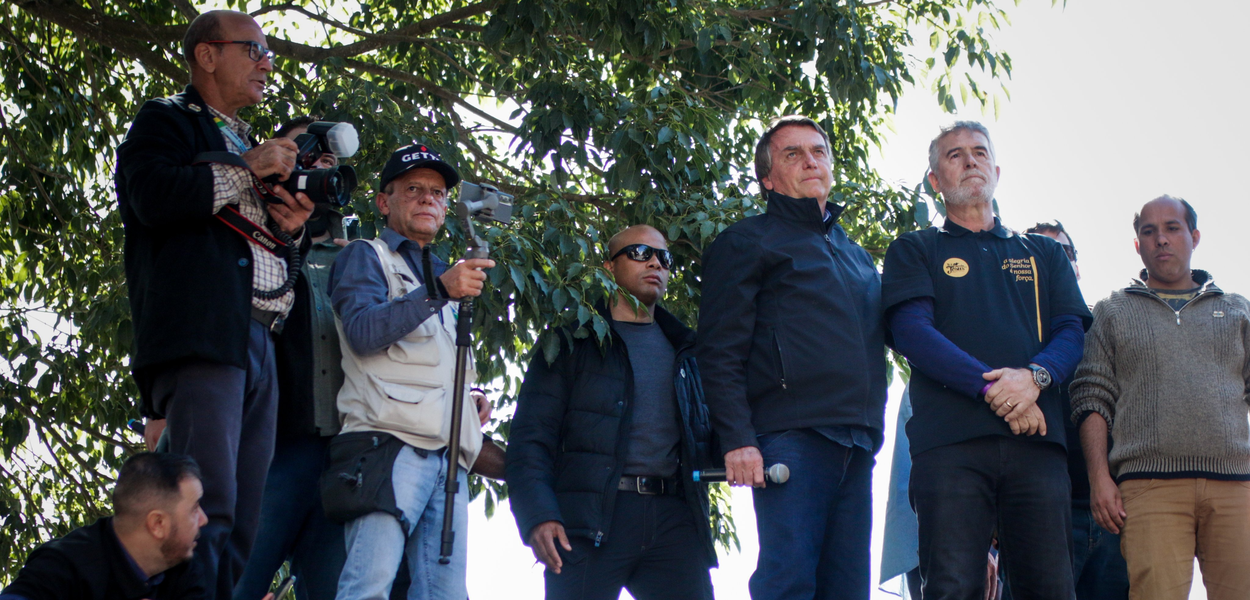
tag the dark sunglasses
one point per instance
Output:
(255, 51)
(643, 253)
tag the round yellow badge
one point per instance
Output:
(955, 267)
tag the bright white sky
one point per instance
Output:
(1112, 104)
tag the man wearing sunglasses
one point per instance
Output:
(604, 442)
(792, 349)
(206, 297)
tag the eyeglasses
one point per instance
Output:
(412, 192)
(255, 51)
(643, 253)
(1070, 251)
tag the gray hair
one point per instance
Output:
(952, 128)
(763, 149)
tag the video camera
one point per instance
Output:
(484, 202)
(332, 186)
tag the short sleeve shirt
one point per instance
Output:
(994, 293)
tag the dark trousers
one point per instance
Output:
(654, 549)
(964, 493)
(1099, 568)
(293, 525)
(815, 529)
(224, 418)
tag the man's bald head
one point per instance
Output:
(207, 28)
(1166, 201)
(636, 234)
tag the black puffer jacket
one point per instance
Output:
(568, 440)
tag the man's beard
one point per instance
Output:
(172, 550)
(970, 194)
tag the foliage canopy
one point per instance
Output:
(597, 114)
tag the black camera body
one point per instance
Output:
(330, 187)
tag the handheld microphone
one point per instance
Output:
(777, 473)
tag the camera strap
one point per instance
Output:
(232, 217)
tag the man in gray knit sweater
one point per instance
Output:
(1167, 368)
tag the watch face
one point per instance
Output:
(1042, 377)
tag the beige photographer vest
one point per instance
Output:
(406, 389)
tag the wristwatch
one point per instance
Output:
(1041, 377)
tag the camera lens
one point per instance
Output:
(331, 186)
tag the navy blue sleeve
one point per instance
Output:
(731, 281)
(931, 352)
(358, 291)
(1066, 347)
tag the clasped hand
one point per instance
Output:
(1013, 396)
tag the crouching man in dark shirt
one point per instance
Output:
(141, 552)
(600, 459)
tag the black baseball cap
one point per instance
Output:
(416, 156)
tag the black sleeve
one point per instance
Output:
(906, 274)
(162, 186)
(732, 277)
(48, 575)
(530, 463)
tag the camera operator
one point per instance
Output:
(205, 294)
(293, 524)
(394, 302)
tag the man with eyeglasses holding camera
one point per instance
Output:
(205, 296)
(604, 442)
(395, 308)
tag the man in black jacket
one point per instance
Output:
(792, 347)
(203, 298)
(141, 552)
(604, 442)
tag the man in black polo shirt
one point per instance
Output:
(991, 321)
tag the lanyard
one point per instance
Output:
(234, 137)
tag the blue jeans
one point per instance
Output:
(1100, 570)
(377, 542)
(963, 493)
(294, 526)
(815, 529)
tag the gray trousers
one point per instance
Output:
(224, 417)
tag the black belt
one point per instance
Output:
(650, 486)
(272, 320)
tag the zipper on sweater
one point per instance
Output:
(1178, 312)
(598, 538)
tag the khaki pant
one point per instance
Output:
(1170, 521)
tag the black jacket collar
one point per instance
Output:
(957, 230)
(190, 101)
(805, 210)
(678, 334)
